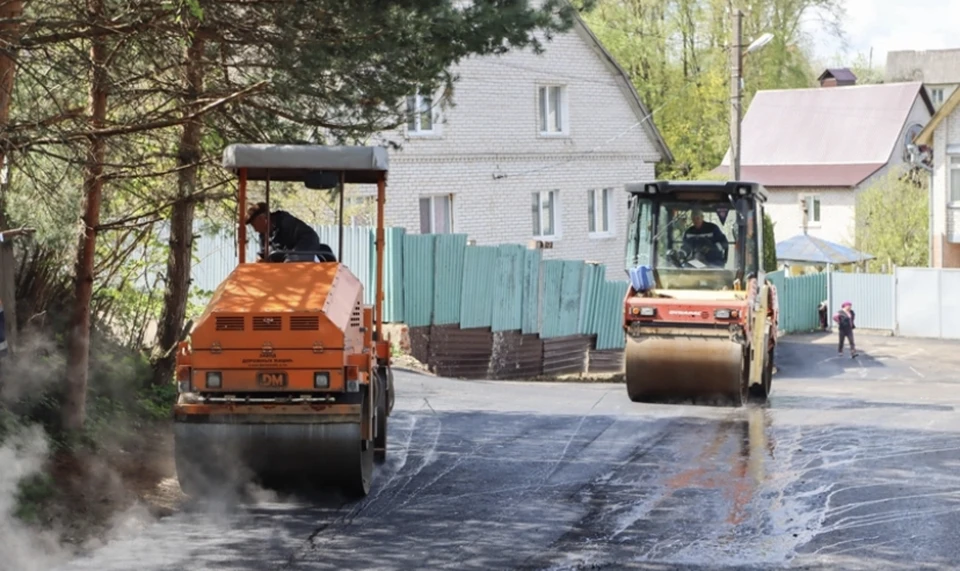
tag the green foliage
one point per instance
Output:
(892, 221)
(33, 492)
(675, 51)
(769, 245)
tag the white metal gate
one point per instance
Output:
(949, 304)
(926, 304)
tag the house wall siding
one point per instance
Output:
(836, 213)
(492, 129)
(945, 254)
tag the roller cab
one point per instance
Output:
(699, 316)
(285, 378)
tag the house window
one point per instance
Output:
(545, 213)
(553, 106)
(954, 178)
(436, 214)
(813, 209)
(419, 113)
(598, 210)
(936, 97)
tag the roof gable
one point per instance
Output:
(838, 73)
(855, 125)
(925, 137)
(626, 85)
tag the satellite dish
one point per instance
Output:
(908, 137)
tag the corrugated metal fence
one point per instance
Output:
(912, 302)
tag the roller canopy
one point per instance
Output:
(360, 165)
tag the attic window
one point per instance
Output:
(552, 104)
(936, 97)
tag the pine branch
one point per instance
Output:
(20, 144)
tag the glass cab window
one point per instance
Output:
(700, 244)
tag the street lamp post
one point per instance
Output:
(736, 86)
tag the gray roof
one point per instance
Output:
(848, 132)
(929, 66)
(360, 165)
(804, 248)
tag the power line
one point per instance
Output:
(586, 153)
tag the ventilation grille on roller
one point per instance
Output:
(304, 323)
(356, 320)
(266, 323)
(230, 324)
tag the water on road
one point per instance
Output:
(853, 464)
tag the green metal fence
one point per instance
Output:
(799, 299)
(507, 288)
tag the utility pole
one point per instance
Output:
(736, 61)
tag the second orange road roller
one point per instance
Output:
(285, 378)
(700, 317)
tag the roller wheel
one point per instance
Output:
(741, 393)
(360, 476)
(390, 392)
(760, 394)
(380, 440)
(190, 477)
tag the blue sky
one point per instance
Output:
(888, 25)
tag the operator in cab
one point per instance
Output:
(705, 238)
(288, 234)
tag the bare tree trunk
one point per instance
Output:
(181, 222)
(73, 413)
(10, 33)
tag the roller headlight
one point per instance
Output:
(725, 313)
(648, 311)
(321, 380)
(214, 380)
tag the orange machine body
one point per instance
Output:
(267, 333)
(717, 310)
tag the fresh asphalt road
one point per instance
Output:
(853, 464)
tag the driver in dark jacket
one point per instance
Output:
(287, 232)
(705, 237)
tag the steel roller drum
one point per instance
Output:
(671, 368)
(213, 457)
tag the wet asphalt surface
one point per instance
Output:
(853, 464)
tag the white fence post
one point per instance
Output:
(895, 302)
(939, 302)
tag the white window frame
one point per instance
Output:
(564, 110)
(953, 172)
(432, 198)
(814, 207)
(416, 130)
(537, 204)
(936, 96)
(600, 203)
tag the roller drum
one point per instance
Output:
(214, 456)
(670, 368)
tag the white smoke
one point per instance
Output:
(22, 455)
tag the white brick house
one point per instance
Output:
(484, 166)
(941, 139)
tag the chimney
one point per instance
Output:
(839, 76)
